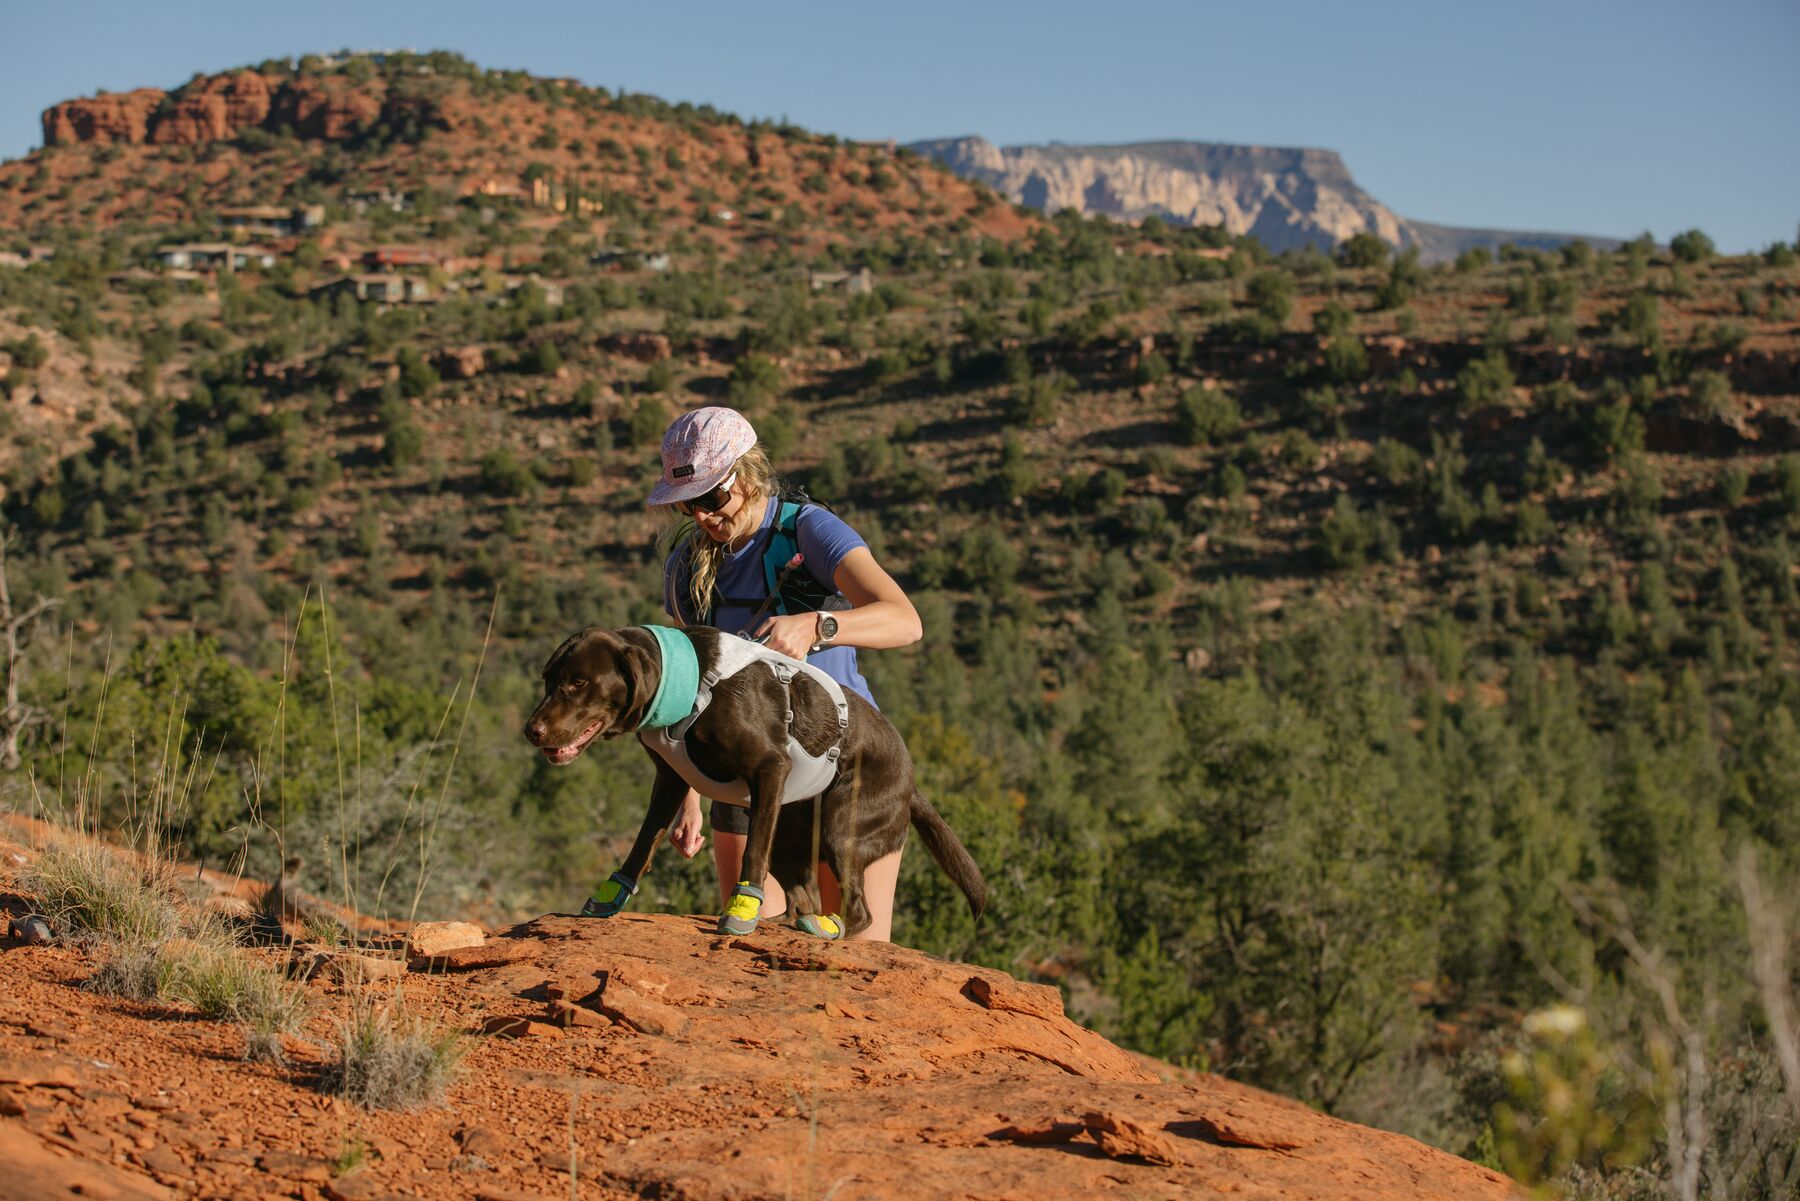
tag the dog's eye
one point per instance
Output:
(574, 685)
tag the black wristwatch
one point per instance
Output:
(827, 629)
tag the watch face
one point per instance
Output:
(827, 627)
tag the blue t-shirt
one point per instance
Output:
(823, 538)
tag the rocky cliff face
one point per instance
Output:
(1287, 198)
(220, 107)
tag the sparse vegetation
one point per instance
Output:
(390, 1060)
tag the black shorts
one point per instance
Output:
(730, 819)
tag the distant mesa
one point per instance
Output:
(1287, 198)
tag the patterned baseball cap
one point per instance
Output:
(698, 452)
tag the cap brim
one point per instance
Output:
(666, 493)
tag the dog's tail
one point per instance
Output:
(949, 852)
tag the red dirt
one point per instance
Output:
(671, 1062)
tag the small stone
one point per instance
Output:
(481, 1141)
(38, 1072)
(1007, 995)
(567, 1014)
(519, 1027)
(349, 968)
(493, 954)
(427, 940)
(1040, 1133)
(308, 1168)
(1122, 1138)
(33, 930)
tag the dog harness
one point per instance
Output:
(684, 693)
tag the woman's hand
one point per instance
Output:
(684, 831)
(792, 635)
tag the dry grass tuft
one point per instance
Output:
(389, 1060)
(88, 889)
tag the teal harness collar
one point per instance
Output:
(680, 681)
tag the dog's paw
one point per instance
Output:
(740, 916)
(822, 925)
(610, 897)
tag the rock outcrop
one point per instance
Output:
(1285, 197)
(103, 119)
(221, 107)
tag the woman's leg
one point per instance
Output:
(728, 858)
(879, 879)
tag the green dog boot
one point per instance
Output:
(822, 925)
(611, 896)
(740, 915)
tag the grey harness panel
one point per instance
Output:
(808, 774)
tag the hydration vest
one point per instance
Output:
(796, 591)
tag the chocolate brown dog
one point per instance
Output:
(600, 683)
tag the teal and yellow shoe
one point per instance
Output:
(740, 915)
(828, 926)
(611, 896)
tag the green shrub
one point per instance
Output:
(1151, 368)
(544, 359)
(1395, 463)
(1531, 524)
(1486, 381)
(503, 475)
(417, 377)
(648, 421)
(1362, 250)
(1734, 483)
(1207, 415)
(1787, 484)
(1779, 254)
(1331, 320)
(1271, 294)
(1473, 259)
(1346, 361)
(1345, 536)
(1691, 246)
(1037, 400)
(754, 378)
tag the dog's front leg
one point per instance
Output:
(766, 785)
(665, 798)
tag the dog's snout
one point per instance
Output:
(534, 730)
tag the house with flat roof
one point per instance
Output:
(380, 287)
(214, 256)
(271, 219)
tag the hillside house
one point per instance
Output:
(214, 256)
(379, 198)
(860, 282)
(26, 257)
(381, 287)
(392, 258)
(271, 220)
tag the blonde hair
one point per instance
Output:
(756, 481)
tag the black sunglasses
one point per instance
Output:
(708, 502)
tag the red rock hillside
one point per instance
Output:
(647, 1056)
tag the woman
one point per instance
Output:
(832, 600)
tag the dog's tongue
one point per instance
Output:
(561, 754)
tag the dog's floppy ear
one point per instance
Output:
(640, 667)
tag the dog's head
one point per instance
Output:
(593, 685)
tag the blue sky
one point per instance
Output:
(1589, 116)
